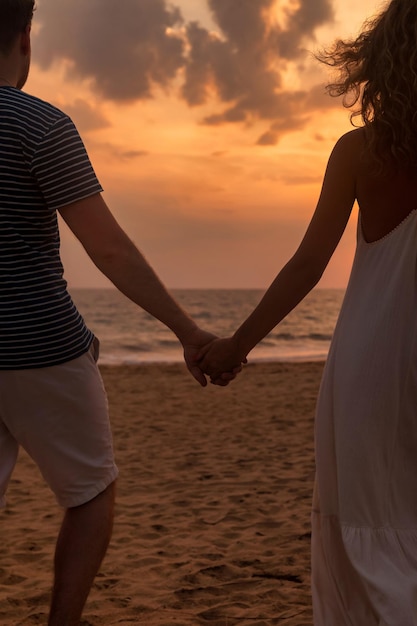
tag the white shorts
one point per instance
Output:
(59, 415)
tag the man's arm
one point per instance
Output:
(118, 258)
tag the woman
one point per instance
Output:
(364, 540)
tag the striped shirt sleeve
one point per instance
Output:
(61, 166)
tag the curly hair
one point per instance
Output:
(15, 16)
(378, 72)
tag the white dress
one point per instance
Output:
(364, 545)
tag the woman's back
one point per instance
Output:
(385, 199)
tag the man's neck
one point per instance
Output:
(5, 82)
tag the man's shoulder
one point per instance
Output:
(32, 106)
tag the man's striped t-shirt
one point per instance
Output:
(43, 166)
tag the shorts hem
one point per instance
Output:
(86, 496)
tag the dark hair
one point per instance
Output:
(15, 16)
(378, 72)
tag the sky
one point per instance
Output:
(207, 124)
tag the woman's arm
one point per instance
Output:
(305, 268)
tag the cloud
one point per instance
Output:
(127, 48)
(128, 155)
(119, 153)
(122, 47)
(301, 25)
(298, 180)
(245, 67)
(85, 116)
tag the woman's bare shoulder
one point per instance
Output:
(352, 140)
(347, 153)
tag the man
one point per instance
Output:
(52, 401)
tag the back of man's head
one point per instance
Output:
(15, 16)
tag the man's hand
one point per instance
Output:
(193, 345)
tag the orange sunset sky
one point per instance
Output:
(207, 125)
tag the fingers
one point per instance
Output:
(219, 382)
(198, 375)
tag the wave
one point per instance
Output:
(128, 334)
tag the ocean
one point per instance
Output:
(129, 335)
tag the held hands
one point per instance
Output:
(204, 354)
(192, 345)
(220, 359)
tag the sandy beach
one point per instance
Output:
(213, 508)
